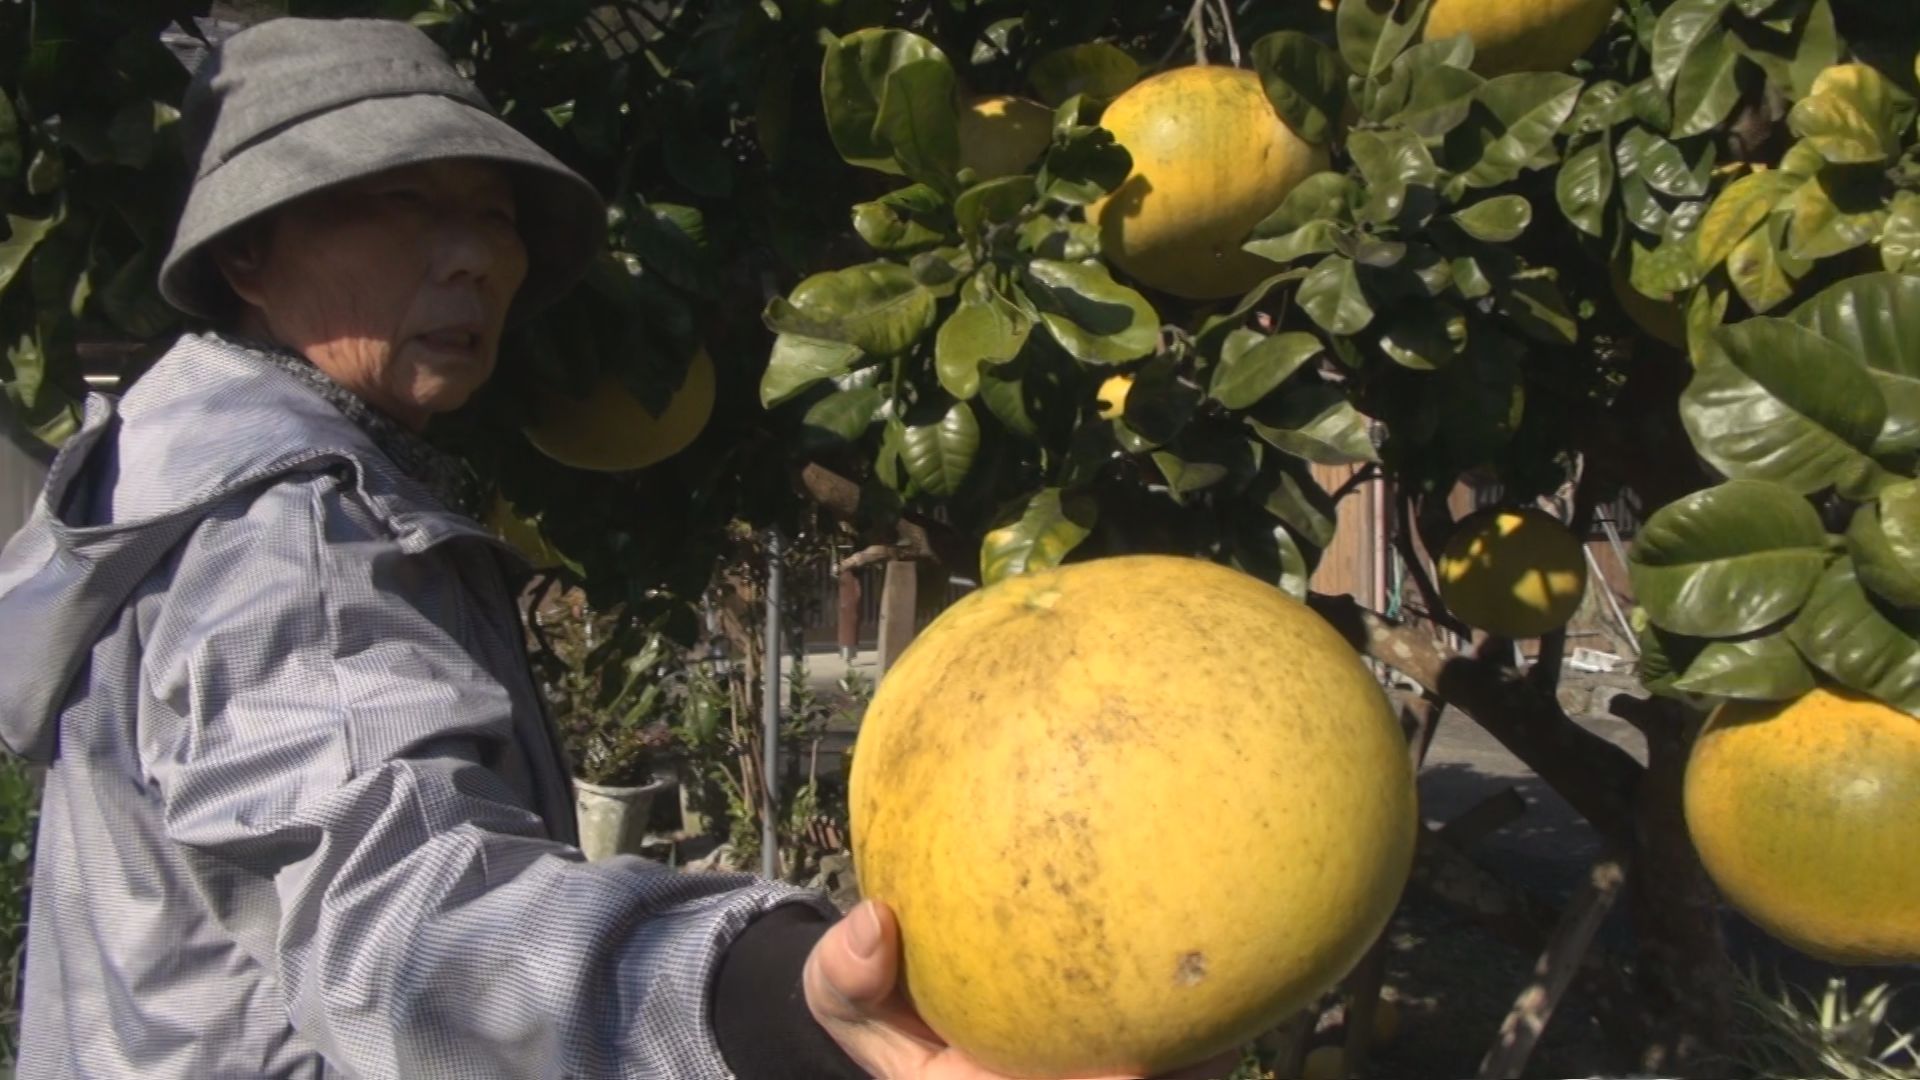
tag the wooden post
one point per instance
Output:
(849, 614)
(1553, 973)
(897, 607)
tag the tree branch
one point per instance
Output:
(1436, 611)
(919, 537)
(1598, 778)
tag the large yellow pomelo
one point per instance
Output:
(611, 431)
(1521, 35)
(1514, 573)
(1806, 814)
(1002, 135)
(1210, 159)
(1131, 812)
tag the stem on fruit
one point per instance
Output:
(1226, 27)
(1197, 23)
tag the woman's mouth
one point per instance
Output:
(451, 340)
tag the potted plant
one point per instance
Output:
(609, 687)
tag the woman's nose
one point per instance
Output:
(472, 245)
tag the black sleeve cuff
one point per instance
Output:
(760, 1015)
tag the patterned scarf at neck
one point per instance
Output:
(446, 476)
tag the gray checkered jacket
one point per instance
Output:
(305, 816)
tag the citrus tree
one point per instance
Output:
(1043, 282)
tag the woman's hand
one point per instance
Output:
(851, 985)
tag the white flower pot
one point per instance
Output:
(613, 820)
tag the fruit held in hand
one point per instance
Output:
(1514, 573)
(1806, 814)
(1131, 812)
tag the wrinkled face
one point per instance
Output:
(396, 286)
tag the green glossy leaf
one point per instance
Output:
(1372, 34)
(1771, 400)
(46, 172)
(1707, 87)
(877, 308)
(983, 329)
(1682, 29)
(1584, 186)
(1160, 402)
(1471, 278)
(853, 80)
(1084, 167)
(939, 455)
(1315, 422)
(1874, 317)
(1498, 220)
(918, 119)
(1304, 80)
(24, 234)
(1254, 365)
(1095, 318)
(798, 362)
(1539, 309)
(1832, 216)
(1391, 95)
(1442, 98)
(1662, 163)
(1644, 209)
(1900, 241)
(904, 221)
(993, 202)
(1603, 107)
(1332, 296)
(1884, 539)
(1515, 121)
(1729, 560)
(1287, 490)
(1818, 48)
(1845, 634)
(1756, 267)
(39, 406)
(941, 270)
(842, 416)
(1853, 115)
(1216, 327)
(1313, 238)
(1665, 270)
(1738, 211)
(1391, 161)
(1269, 552)
(1011, 392)
(1096, 69)
(1422, 336)
(1323, 198)
(1765, 668)
(1052, 526)
(1186, 477)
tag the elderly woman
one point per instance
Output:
(305, 815)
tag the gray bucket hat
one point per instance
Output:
(291, 106)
